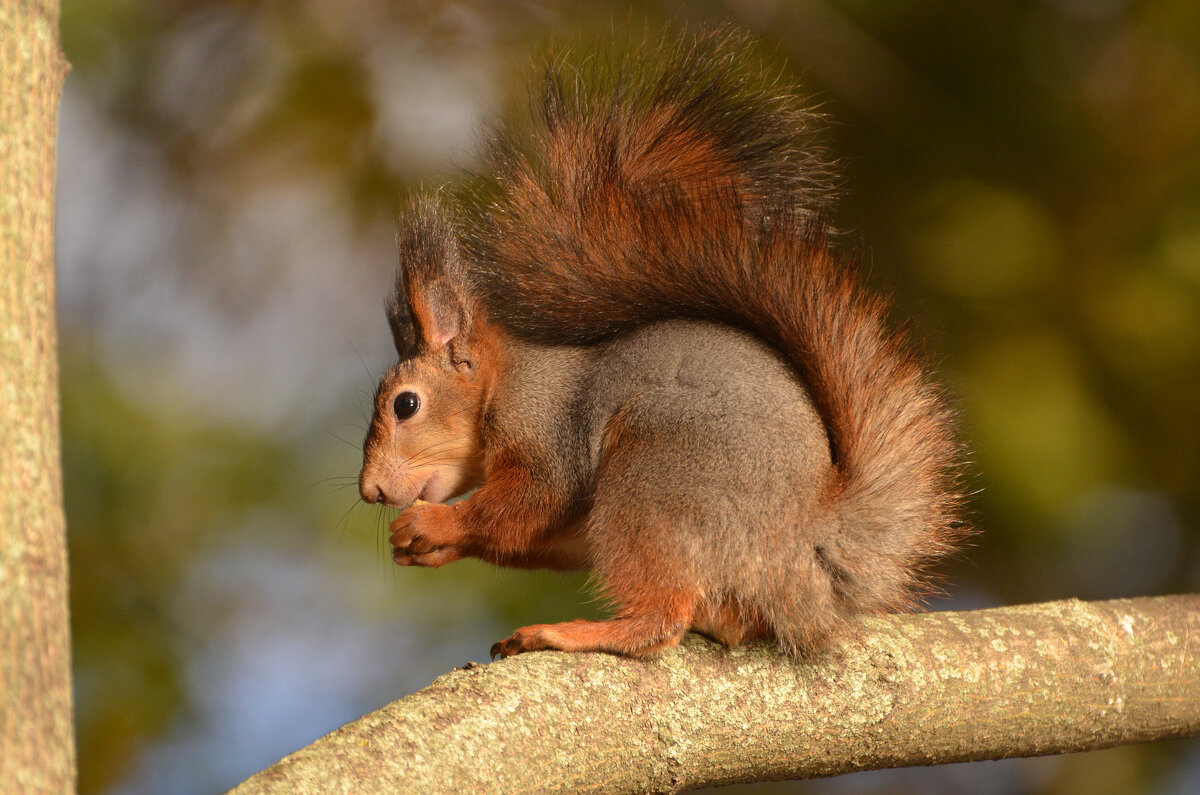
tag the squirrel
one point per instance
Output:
(634, 346)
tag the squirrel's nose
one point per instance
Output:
(371, 492)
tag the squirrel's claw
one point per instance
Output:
(525, 639)
(430, 560)
(426, 534)
(507, 647)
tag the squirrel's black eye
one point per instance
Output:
(406, 405)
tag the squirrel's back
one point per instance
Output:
(692, 188)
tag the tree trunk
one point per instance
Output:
(37, 751)
(909, 690)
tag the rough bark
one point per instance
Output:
(908, 690)
(36, 736)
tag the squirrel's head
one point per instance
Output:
(423, 441)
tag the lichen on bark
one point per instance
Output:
(905, 690)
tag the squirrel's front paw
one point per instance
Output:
(426, 534)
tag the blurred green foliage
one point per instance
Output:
(146, 493)
(1025, 176)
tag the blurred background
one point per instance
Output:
(1026, 174)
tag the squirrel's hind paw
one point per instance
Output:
(627, 636)
(534, 638)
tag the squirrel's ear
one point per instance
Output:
(431, 305)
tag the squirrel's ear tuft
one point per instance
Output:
(432, 303)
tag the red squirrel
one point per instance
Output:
(634, 341)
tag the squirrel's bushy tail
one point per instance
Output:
(692, 188)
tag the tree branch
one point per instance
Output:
(908, 690)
